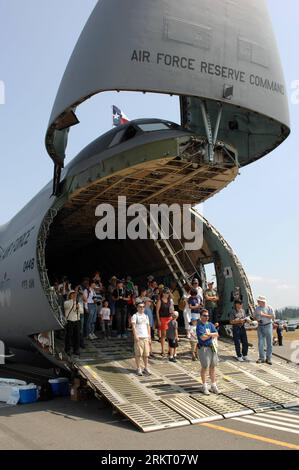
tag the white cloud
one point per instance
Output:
(255, 278)
(264, 280)
(287, 287)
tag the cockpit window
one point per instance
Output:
(117, 138)
(153, 126)
(123, 135)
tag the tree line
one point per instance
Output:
(287, 313)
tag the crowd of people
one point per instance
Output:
(151, 312)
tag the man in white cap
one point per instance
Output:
(265, 316)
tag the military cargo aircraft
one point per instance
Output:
(220, 57)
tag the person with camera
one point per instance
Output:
(98, 281)
(89, 297)
(73, 310)
(265, 316)
(238, 319)
(65, 287)
(120, 297)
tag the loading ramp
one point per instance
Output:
(171, 397)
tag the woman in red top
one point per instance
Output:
(164, 310)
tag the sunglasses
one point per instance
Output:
(205, 316)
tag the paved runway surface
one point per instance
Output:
(63, 424)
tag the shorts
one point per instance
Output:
(173, 343)
(164, 323)
(142, 348)
(208, 358)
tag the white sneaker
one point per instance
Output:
(139, 372)
(147, 372)
(205, 389)
(94, 336)
(90, 336)
(240, 359)
(246, 359)
(214, 389)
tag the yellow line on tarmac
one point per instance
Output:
(251, 436)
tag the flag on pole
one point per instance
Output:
(118, 117)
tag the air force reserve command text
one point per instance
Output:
(150, 459)
(206, 68)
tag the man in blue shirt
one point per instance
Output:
(207, 351)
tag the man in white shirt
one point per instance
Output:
(142, 338)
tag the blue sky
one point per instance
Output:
(257, 214)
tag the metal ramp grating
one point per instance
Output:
(161, 389)
(281, 397)
(292, 389)
(171, 396)
(98, 385)
(128, 388)
(252, 400)
(244, 380)
(152, 416)
(187, 383)
(191, 409)
(280, 371)
(266, 375)
(223, 405)
(292, 370)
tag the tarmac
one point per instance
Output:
(63, 424)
